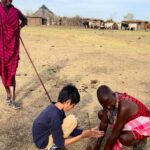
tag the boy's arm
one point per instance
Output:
(122, 117)
(85, 134)
(72, 140)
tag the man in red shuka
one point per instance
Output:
(11, 21)
(130, 120)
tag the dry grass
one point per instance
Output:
(69, 55)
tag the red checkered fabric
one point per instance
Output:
(140, 125)
(9, 43)
(140, 128)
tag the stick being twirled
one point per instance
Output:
(35, 69)
(89, 123)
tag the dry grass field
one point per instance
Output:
(86, 58)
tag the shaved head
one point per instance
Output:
(104, 93)
(106, 97)
(7, 2)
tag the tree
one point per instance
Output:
(28, 12)
(77, 21)
(110, 20)
(129, 16)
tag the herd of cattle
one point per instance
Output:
(124, 25)
(102, 25)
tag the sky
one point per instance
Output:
(102, 9)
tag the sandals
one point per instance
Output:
(8, 99)
(14, 105)
(54, 147)
(142, 145)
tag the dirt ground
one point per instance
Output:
(86, 58)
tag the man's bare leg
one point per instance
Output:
(13, 90)
(127, 139)
(8, 94)
(13, 95)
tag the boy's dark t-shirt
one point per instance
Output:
(48, 122)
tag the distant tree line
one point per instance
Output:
(71, 21)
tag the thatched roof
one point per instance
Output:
(92, 19)
(44, 12)
(134, 21)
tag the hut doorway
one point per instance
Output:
(44, 21)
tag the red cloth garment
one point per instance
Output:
(139, 124)
(143, 110)
(9, 43)
(140, 128)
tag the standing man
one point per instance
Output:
(11, 21)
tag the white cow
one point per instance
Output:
(109, 25)
(119, 26)
(133, 26)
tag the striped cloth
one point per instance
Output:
(140, 126)
(9, 43)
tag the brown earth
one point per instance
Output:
(86, 58)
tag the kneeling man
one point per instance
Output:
(130, 119)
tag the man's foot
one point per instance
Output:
(14, 105)
(141, 145)
(8, 99)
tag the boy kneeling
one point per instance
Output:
(52, 127)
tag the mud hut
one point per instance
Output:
(35, 21)
(43, 16)
(134, 25)
(148, 26)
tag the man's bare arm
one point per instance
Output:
(103, 127)
(122, 117)
(23, 20)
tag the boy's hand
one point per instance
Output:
(93, 133)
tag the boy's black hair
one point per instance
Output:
(69, 92)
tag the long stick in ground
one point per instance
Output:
(35, 69)
(90, 128)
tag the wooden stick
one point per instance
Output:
(35, 70)
(89, 123)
